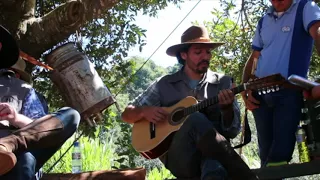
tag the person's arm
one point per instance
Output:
(146, 105)
(9, 113)
(315, 34)
(231, 120)
(249, 65)
(132, 114)
(21, 121)
(257, 45)
(311, 22)
(315, 92)
(230, 112)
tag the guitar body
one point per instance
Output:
(152, 148)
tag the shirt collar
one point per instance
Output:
(6, 72)
(209, 77)
(271, 9)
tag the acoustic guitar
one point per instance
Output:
(153, 140)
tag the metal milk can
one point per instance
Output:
(78, 82)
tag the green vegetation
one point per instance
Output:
(111, 141)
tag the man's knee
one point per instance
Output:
(69, 117)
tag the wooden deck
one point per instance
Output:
(277, 172)
(124, 174)
(288, 171)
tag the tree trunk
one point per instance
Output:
(35, 35)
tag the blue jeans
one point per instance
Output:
(28, 163)
(276, 120)
(183, 159)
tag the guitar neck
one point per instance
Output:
(211, 101)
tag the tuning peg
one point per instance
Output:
(272, 89)
(277, 88)
(259, 92)
(264, 91)
(268, 90)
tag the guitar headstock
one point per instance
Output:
(266, 84)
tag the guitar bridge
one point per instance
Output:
(152, 130)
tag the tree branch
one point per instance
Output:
(97, 7)
(28, 8)
(54, 27)
(245, 15)
(13, 11)
(8, 3)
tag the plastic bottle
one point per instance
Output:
(302, 145)
(76, 163)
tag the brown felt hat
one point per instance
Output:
(9, 50)
(193, 35)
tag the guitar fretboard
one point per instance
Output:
(210, 101)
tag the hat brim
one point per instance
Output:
(9, 52)
(172, 50)
(23, 75)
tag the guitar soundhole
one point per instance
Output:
(177, 116)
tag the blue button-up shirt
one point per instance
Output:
(32, 106)
(284, 42)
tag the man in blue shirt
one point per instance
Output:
(282, 44)
(27, 134)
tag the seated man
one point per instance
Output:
(27, 164)
(199, 148)
(26, 131)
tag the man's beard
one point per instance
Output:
(202, 70)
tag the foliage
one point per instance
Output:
(107, 50)
(160, 174)
(102, 159)
(105, 40)
(113, 138)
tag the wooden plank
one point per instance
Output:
(123, 174)
(287, 171)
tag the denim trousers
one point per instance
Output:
(277, 119)
(29, 163)
(183, 158)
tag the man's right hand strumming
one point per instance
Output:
(151, 113)
(154, 114)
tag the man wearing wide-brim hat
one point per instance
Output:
(199, 149)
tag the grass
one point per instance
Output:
(159, 174)
(95, 156)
